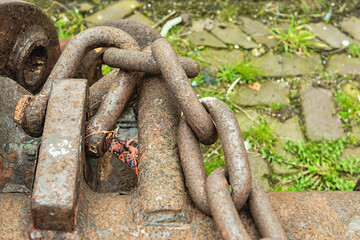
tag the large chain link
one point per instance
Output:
(211, 194)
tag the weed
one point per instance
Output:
(296, 39)
(213, 156)
(261, 136)
(243, 70)
(69, 23)
(182, 45)
(320, 166)
(106, 69)
(348, 108)
(354, 50)
(276, 106)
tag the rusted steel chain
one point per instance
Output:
(226, 217)
(267, 222)
(234, 149)
(69, 62)
(222, 208)
(180, 87)
(193, 165)
(109, 111)
(211, 195)
(144, 62)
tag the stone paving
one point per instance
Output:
(228, 43)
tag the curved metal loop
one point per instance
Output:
(234, 148)
(180, 87)
(234, 151)
(226, 217)
(144, 62)
(69, 62)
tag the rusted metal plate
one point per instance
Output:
(29, 45)
(162, 196)
(17, 161)
(112, 175)
(304, 215)
(58, 173)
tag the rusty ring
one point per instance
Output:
(179, 85)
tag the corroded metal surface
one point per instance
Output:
(144, 62)
(58, 172)
(304, 215)
(17, 162)
(29, 46)
(180, 87)
(161, 188)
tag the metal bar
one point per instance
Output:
(144, 62)
(304, 215)
(109, 111)
(161, 184)
(58, 173)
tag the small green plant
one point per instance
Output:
(182, 45)
(243, 70)
(213, 156)
(296, 39)
(69, 23)
(319, 165)
(106, 69)
(261, 136)
(348, 108)
(276, 106)
(354, 50)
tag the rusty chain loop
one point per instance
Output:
(181, 88)
(211, 194)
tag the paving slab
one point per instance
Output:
(231, 34)
(352, 89)
(278, 65)
(202, 24)
(258, 31)
(343, 64)
(204, 38)
(318, 108)
(351, 25)
(141, 18)
(331, 35)
(216, 58)
(259, 169)
(115, 11)
(271, 92)
(244, 122)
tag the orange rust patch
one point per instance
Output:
(5, 175)
(20, 109)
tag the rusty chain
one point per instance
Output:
(202, 120)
